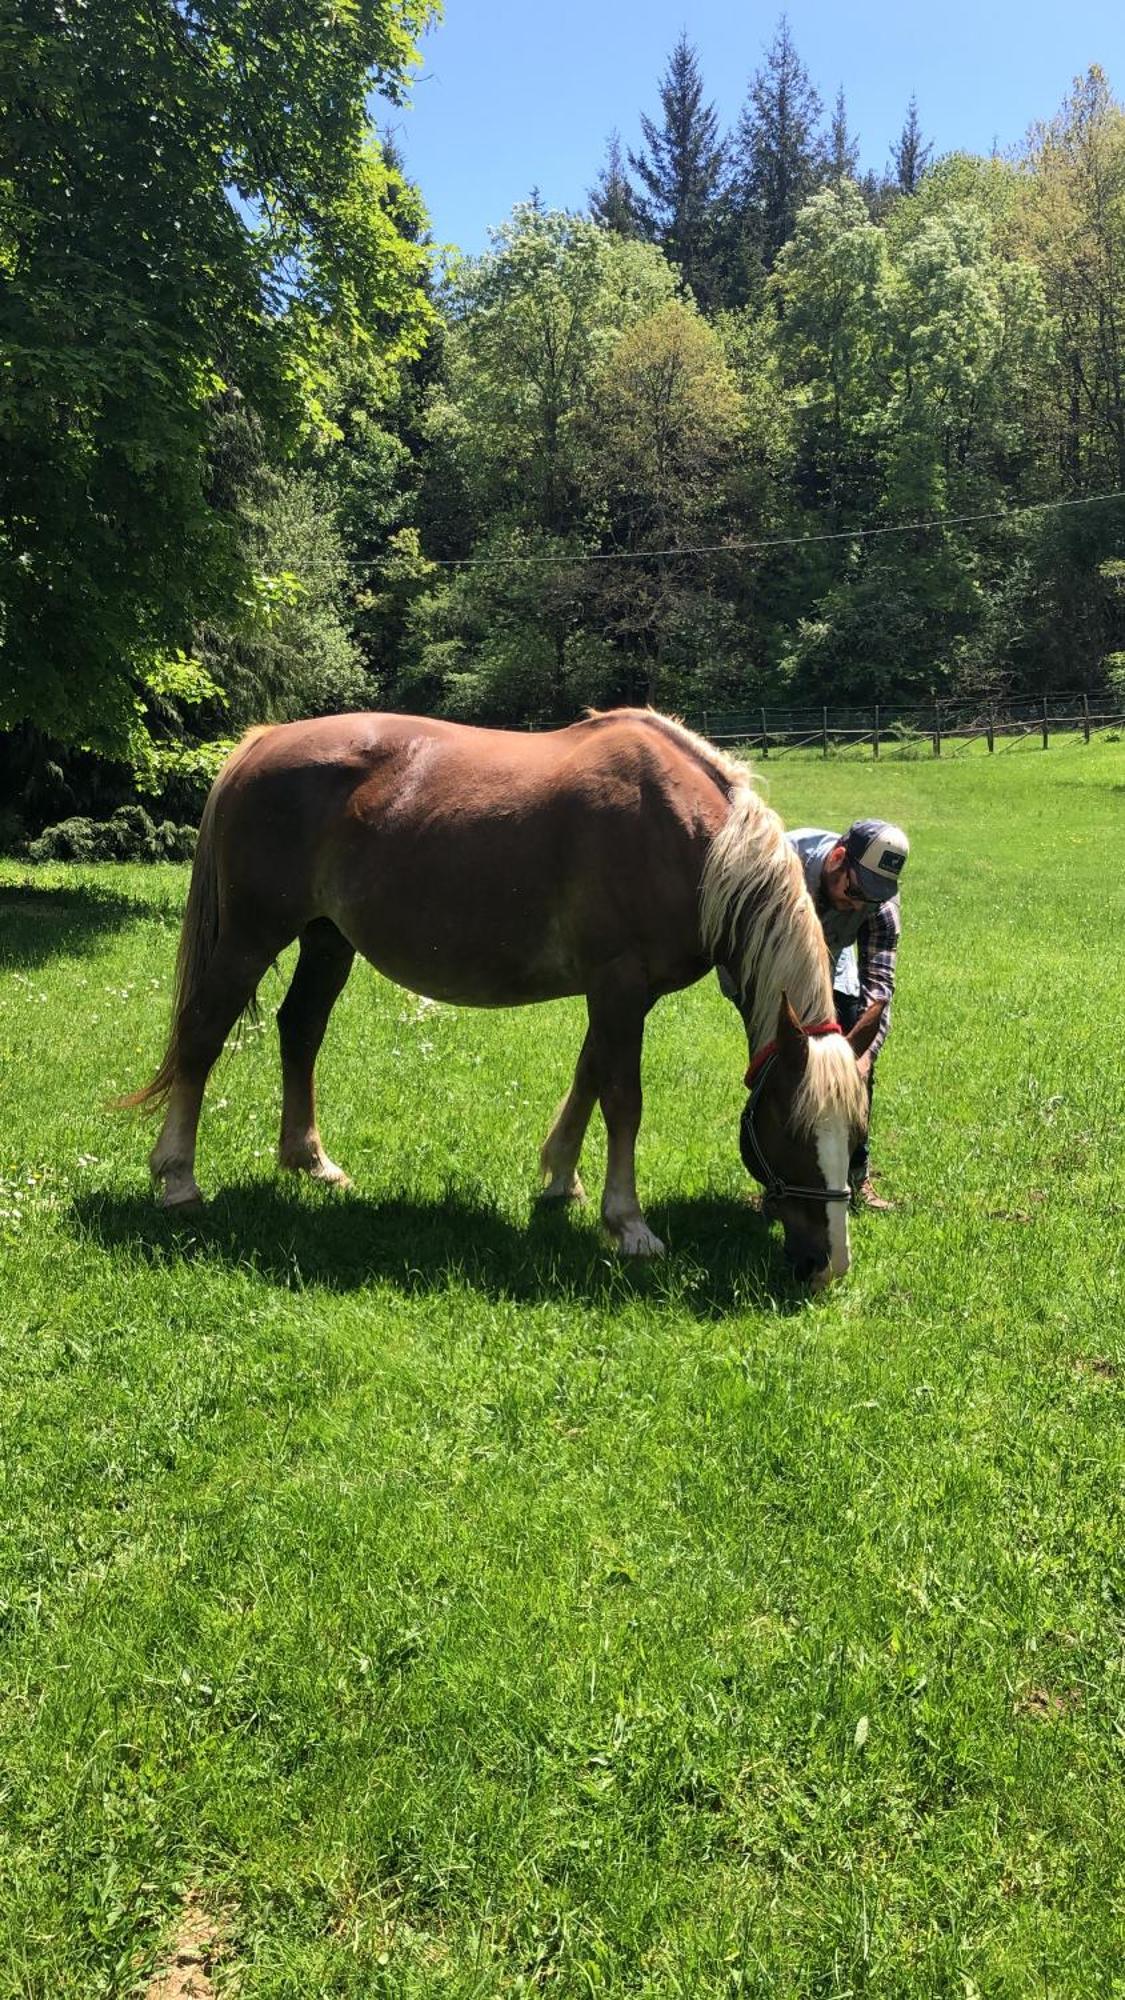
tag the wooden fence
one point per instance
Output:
(948, 725)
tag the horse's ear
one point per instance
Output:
(866, 1028)
(792, 1041)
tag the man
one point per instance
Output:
(853, 880)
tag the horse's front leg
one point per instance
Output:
(618, 1006)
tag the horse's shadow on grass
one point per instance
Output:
(39, 923)
(722, 1257)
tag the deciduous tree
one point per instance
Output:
(191, 195)
(665, 428)
(1074, 226)
(529, 323)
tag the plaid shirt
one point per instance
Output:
(876, 946)
(870, 972)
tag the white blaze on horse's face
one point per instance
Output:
(833, 1157)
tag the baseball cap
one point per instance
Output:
(877, 852)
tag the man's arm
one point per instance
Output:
(877, 946)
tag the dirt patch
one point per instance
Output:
(185, 1970)
(1099, 1366)
(1047, 1704)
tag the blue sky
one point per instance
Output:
(516, 94)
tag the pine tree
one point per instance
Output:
(843, 151)
(681, 169)
(911, 156)
(779, 156)
(880, 192)
(613, 202)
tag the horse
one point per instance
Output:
(620, 858)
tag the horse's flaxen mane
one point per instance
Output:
(758, 919)
(727, 772)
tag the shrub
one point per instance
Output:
(908, 744)
(129, 835)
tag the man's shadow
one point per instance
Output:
(721, 1256)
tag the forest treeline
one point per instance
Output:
(263, 455)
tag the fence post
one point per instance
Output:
(875, 732)
(824, 729)
(937, 730)
(1044, 722)
(991, 728)
(1086, 717)
(765, 737)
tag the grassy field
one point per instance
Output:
(414, 1601)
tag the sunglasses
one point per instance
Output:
(855, 894)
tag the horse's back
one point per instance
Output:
(600, 752)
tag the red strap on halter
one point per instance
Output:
(770, 1048)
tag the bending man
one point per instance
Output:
(853, 880)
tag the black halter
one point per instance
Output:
(757, 1075)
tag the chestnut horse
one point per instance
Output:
(620, 858)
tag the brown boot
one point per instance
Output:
(867, 1195)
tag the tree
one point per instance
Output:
(1070, 219)
(612, 201)
(529, 323)
(880, 193)
(969, 329)
(832, 281)
(913, 351)
(778, 158)
(290, 654)
(842, 155)
(664, 429)
(680, 168)
(191, 198)
(1073, 224)
(911, 155)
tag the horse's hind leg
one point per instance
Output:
(322, 968)
(224, 992)
(558, 1160)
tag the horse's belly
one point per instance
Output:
(466, 969)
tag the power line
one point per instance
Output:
(748, 547)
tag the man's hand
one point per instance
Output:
(863, 1065)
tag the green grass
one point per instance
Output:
(458, 1612)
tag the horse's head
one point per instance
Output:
(806, 1113)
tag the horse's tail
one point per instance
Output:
(198, 938)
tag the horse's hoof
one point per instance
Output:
(317, 1166)
(636, 1239)
(178, 1201)
(566, 1187)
